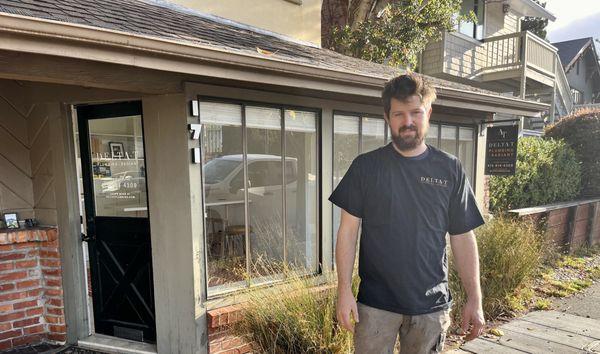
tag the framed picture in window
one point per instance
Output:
(116, 150)
(11, 221)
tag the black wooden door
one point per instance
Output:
(116, 221)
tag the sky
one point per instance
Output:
(574, 19)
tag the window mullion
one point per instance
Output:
(246, 218)
(283, 186)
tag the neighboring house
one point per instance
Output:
(580, 61)
(178, 149)
(494, 54)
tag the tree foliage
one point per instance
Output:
(390, 32)
(581, 130)
(535, 25)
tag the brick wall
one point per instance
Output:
(31, 298)
(221, 340)
(571, 226)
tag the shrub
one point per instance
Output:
(581, 131)
(295, 317)
(547, 172)
(510, 253)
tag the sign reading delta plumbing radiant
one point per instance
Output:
(501, 150)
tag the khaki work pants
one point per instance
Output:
(377, 331)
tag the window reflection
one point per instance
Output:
(223, 173)
(118, 168)
(234, 180)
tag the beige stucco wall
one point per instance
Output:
(293, 18)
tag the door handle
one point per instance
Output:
(87, 238)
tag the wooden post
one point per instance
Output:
(593, 222)
(572, 220)
(552, 112)
(523, 65)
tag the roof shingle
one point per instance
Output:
(568, 50)
(160, 19)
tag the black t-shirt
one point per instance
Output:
(407, 205)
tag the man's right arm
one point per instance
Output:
(345, 251)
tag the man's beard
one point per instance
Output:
(409, 142)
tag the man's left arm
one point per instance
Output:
(466, 260)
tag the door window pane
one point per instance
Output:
(448, 141)
(118, 169)
(265, 190)
(301, 189)
(223, 174)
(373, 134)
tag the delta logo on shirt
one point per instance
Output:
(439, 182)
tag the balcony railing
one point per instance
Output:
(524, 50)
(512, 50)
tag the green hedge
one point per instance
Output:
(581, 131)
(547, 171)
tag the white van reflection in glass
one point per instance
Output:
(224, 193)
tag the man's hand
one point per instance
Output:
(466, 260)
(346, 305)
(345, 249)
(472, 315)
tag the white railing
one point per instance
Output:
(507, 51)
(501, 52)
(562, 86)
(540, 54)
(512, 50)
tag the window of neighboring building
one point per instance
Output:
(468, 28)
(357, 134)
(260, 209)
(577, 96)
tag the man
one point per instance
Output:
(408, 195)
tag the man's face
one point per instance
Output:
(409, 122)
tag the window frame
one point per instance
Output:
(475, 150)
(476, 34)
(319, 186)
(439, 123)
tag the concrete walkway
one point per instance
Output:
(542, 332)
(585, 304)
(573, 327)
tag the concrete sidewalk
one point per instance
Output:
(574, 327)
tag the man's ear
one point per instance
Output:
(429, 110)
(385, 117)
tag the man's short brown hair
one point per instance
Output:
(404, 86)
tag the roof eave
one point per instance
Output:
(533, 9)
(570, 65)
(47, 37)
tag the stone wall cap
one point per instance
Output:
(550, 207)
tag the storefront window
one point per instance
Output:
(448, 139)
(301, 189)
(223, 173)
(255, 226)
(353, 135)
(461, 145)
